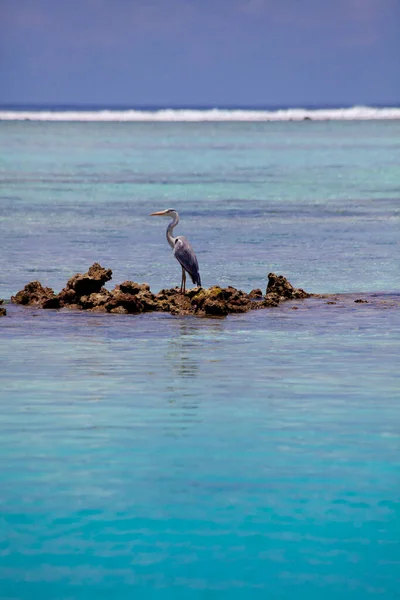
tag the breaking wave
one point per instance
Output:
(355, 113)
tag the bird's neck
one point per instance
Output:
(170, 230)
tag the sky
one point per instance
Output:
(200, 52)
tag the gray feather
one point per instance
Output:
(184, 253)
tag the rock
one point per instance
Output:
(193, 292)
(86, 292)
(218, 301)
(129, 302)
(215, 308)
(3, 311)
(119, 310)
(83, 289)
(95, 300)
(270, 301)
(279, 285)
(148, 301)
(173, 301)
(88, 283)
(98, 309)
(199, 301)
(361, 301)
(1, 301)
(144, 297)
(67, 297)
(51, 303)
(238, 301)
(257, 293)
(33, 294)
(131, 287)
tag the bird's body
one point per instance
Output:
(181, 248)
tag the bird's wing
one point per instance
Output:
(184, 253)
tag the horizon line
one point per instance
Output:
(19, 106)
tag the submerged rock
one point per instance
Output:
(86, 292)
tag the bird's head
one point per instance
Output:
(169, 212)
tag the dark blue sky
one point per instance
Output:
(200, 52)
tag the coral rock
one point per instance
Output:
(84, 286)
(131, 287)
(119, 310)
(91, 282)
(215, 308)
(218, 301)
(33, 294)
(67, 297)
(86, 292)
(257, 293)
(98, 309)
(96, 299)
(129, 302)
(279, 285)
(270, 301)
(144, 297)
(51, 303)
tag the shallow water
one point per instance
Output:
(165, 457)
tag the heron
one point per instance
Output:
(181, 248)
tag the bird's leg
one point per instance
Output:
(183, 282)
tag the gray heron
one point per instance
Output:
(181, 248)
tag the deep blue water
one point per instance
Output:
(165, 457)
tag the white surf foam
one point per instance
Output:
(355, 113)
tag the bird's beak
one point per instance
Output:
(157, 214)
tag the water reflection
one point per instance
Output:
(185, 349)
(184, 358)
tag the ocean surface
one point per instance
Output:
(163, 457)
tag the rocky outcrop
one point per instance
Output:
(279, 288)
(212, 302)
(84, 287)
(87, 292)
(34, 294)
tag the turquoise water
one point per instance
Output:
(164, 457)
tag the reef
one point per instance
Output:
(87, 292)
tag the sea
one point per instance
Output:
(164, 457)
